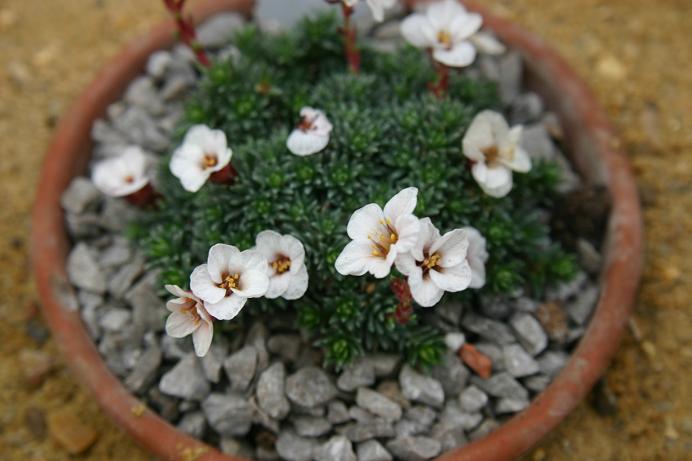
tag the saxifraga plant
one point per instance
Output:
(389, 133)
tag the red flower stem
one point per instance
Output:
(186, 30)
(143, 198)
(350, 46)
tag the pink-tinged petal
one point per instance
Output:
(441, 14)
(405, 263)
(364, 221)
(451, 247)
(453, 279)
(486, 43)
(408, 230)
(425, 292)
(496, 182)
(227, 308)
(220, 259)
(354, 259)
(520, 161)
(204, 287)
(179, 325)
(403, 203)
(464, 26)
(461, 54)
(202, 337)
(278, 284)
(175, 290)
(253, 283)
(303, 144)
(417, 30)
(298, 285)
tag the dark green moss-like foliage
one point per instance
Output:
(389, 133)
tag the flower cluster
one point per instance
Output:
(433, 263)
(219, 289)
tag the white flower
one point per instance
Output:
(495, 152)
(436, 264)
(379, 236)
(122, 175)
(228, 279)
(376, 6)
(285, 256)
(446, 28)
(204, 151)
(188, 316)
(477, 256)
(312, 133)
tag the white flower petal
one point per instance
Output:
(268, 242)
(227, 308)
(460, 55)
(381, 267)
(452, 279)
(465, 25)
(364, 221)
(477, 256)
(123, 175)
(496, 182)
(403, 203)
(354, 259)
(408, 230)
(175, 290)
(417, 30)
(303, 144)
(298, 285)
(441, 14)
(179, 325)
(427, 236)
(253, 283)
(186, 165)
(293, 248)
(278, 284)
(520, 162)
(486, 43)
(425, 292)
(201, 338)
(451, 247)
(219, 260)
(204, 287)
(405, 263)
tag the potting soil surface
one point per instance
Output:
(635, 54)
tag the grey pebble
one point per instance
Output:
(218, 30)
(529, 332)
(186, 380)
(357, 374)
(80, 196)
(83, 270)
(501, 385)
(145, 370)
(310, 387)
(240, 368)
(421, 388)
(414, 448)
(337, 448)
(310, 426)
(372, 450)
(518, 362)
(270, 391)
(194, 424)
(488, 329)
(228, 414)
(292, 447)
(378, 404)
(472, 399)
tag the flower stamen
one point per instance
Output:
(430, 262)
(210, 161)
(230, 282)
(281, 265)
(444, 37)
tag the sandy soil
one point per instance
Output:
(636, 54)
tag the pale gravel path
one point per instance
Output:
(636, 55)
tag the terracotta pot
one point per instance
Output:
(591, 142)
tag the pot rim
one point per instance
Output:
(596, 152)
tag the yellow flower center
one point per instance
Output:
(493, 154)
(431, 262)
(229, 282)
(383, 239)
(210, 161)
(282, 264)
(444, 37)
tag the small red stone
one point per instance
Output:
(476, 360)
